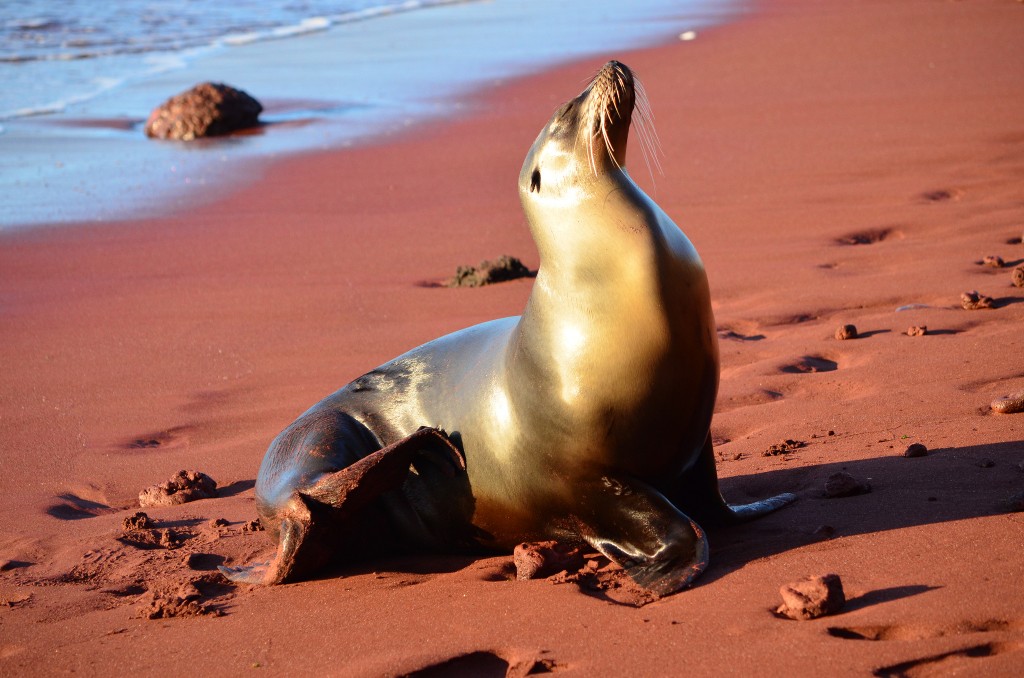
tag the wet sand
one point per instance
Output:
(832, 163)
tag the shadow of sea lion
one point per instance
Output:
(946, 485)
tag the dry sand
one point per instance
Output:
(832, 162)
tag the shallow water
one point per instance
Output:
(79, 78)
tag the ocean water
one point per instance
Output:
(79, 77)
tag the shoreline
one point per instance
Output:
(355, 83)
(135, 349)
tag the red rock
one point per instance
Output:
(846, 332)
(1018, 275)
(184, 486)
(812, 597)
(973, 301)
(535, 560)
(843, 484)
(208, 109)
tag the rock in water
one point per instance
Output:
(208, 109)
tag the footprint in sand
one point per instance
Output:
(172, 437)
(941, 195)
(71, 506)
(869, 236)
(759, 397)
(740, 331)
(486, 664)
(944, 662)
(809, 364)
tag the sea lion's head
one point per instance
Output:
(577, 162)
(586, 137)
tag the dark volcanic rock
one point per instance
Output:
(916, 450)
(208, 109)
(488, 272)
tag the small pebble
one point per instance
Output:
(973, 301)
(993, 261)
(812, 597)
(1011, 404)
(1018, 276)
(843, 484)
(917, 331)
(218, 522)
(916, 450)
(846, 332)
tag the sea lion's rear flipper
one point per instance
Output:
(294, 553)
(631, 523)
(698, 495)
(315, 518)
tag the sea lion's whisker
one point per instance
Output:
(650, 145)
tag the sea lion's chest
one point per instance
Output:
(622, 381)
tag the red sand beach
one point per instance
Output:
(832, 162)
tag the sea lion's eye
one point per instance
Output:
(535, 182)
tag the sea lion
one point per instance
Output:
(585, 419)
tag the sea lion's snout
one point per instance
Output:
(609, 102)
(612, 91)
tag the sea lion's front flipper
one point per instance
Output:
(631, 523)
(314, 518)
(698, 495)
(352, 488)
